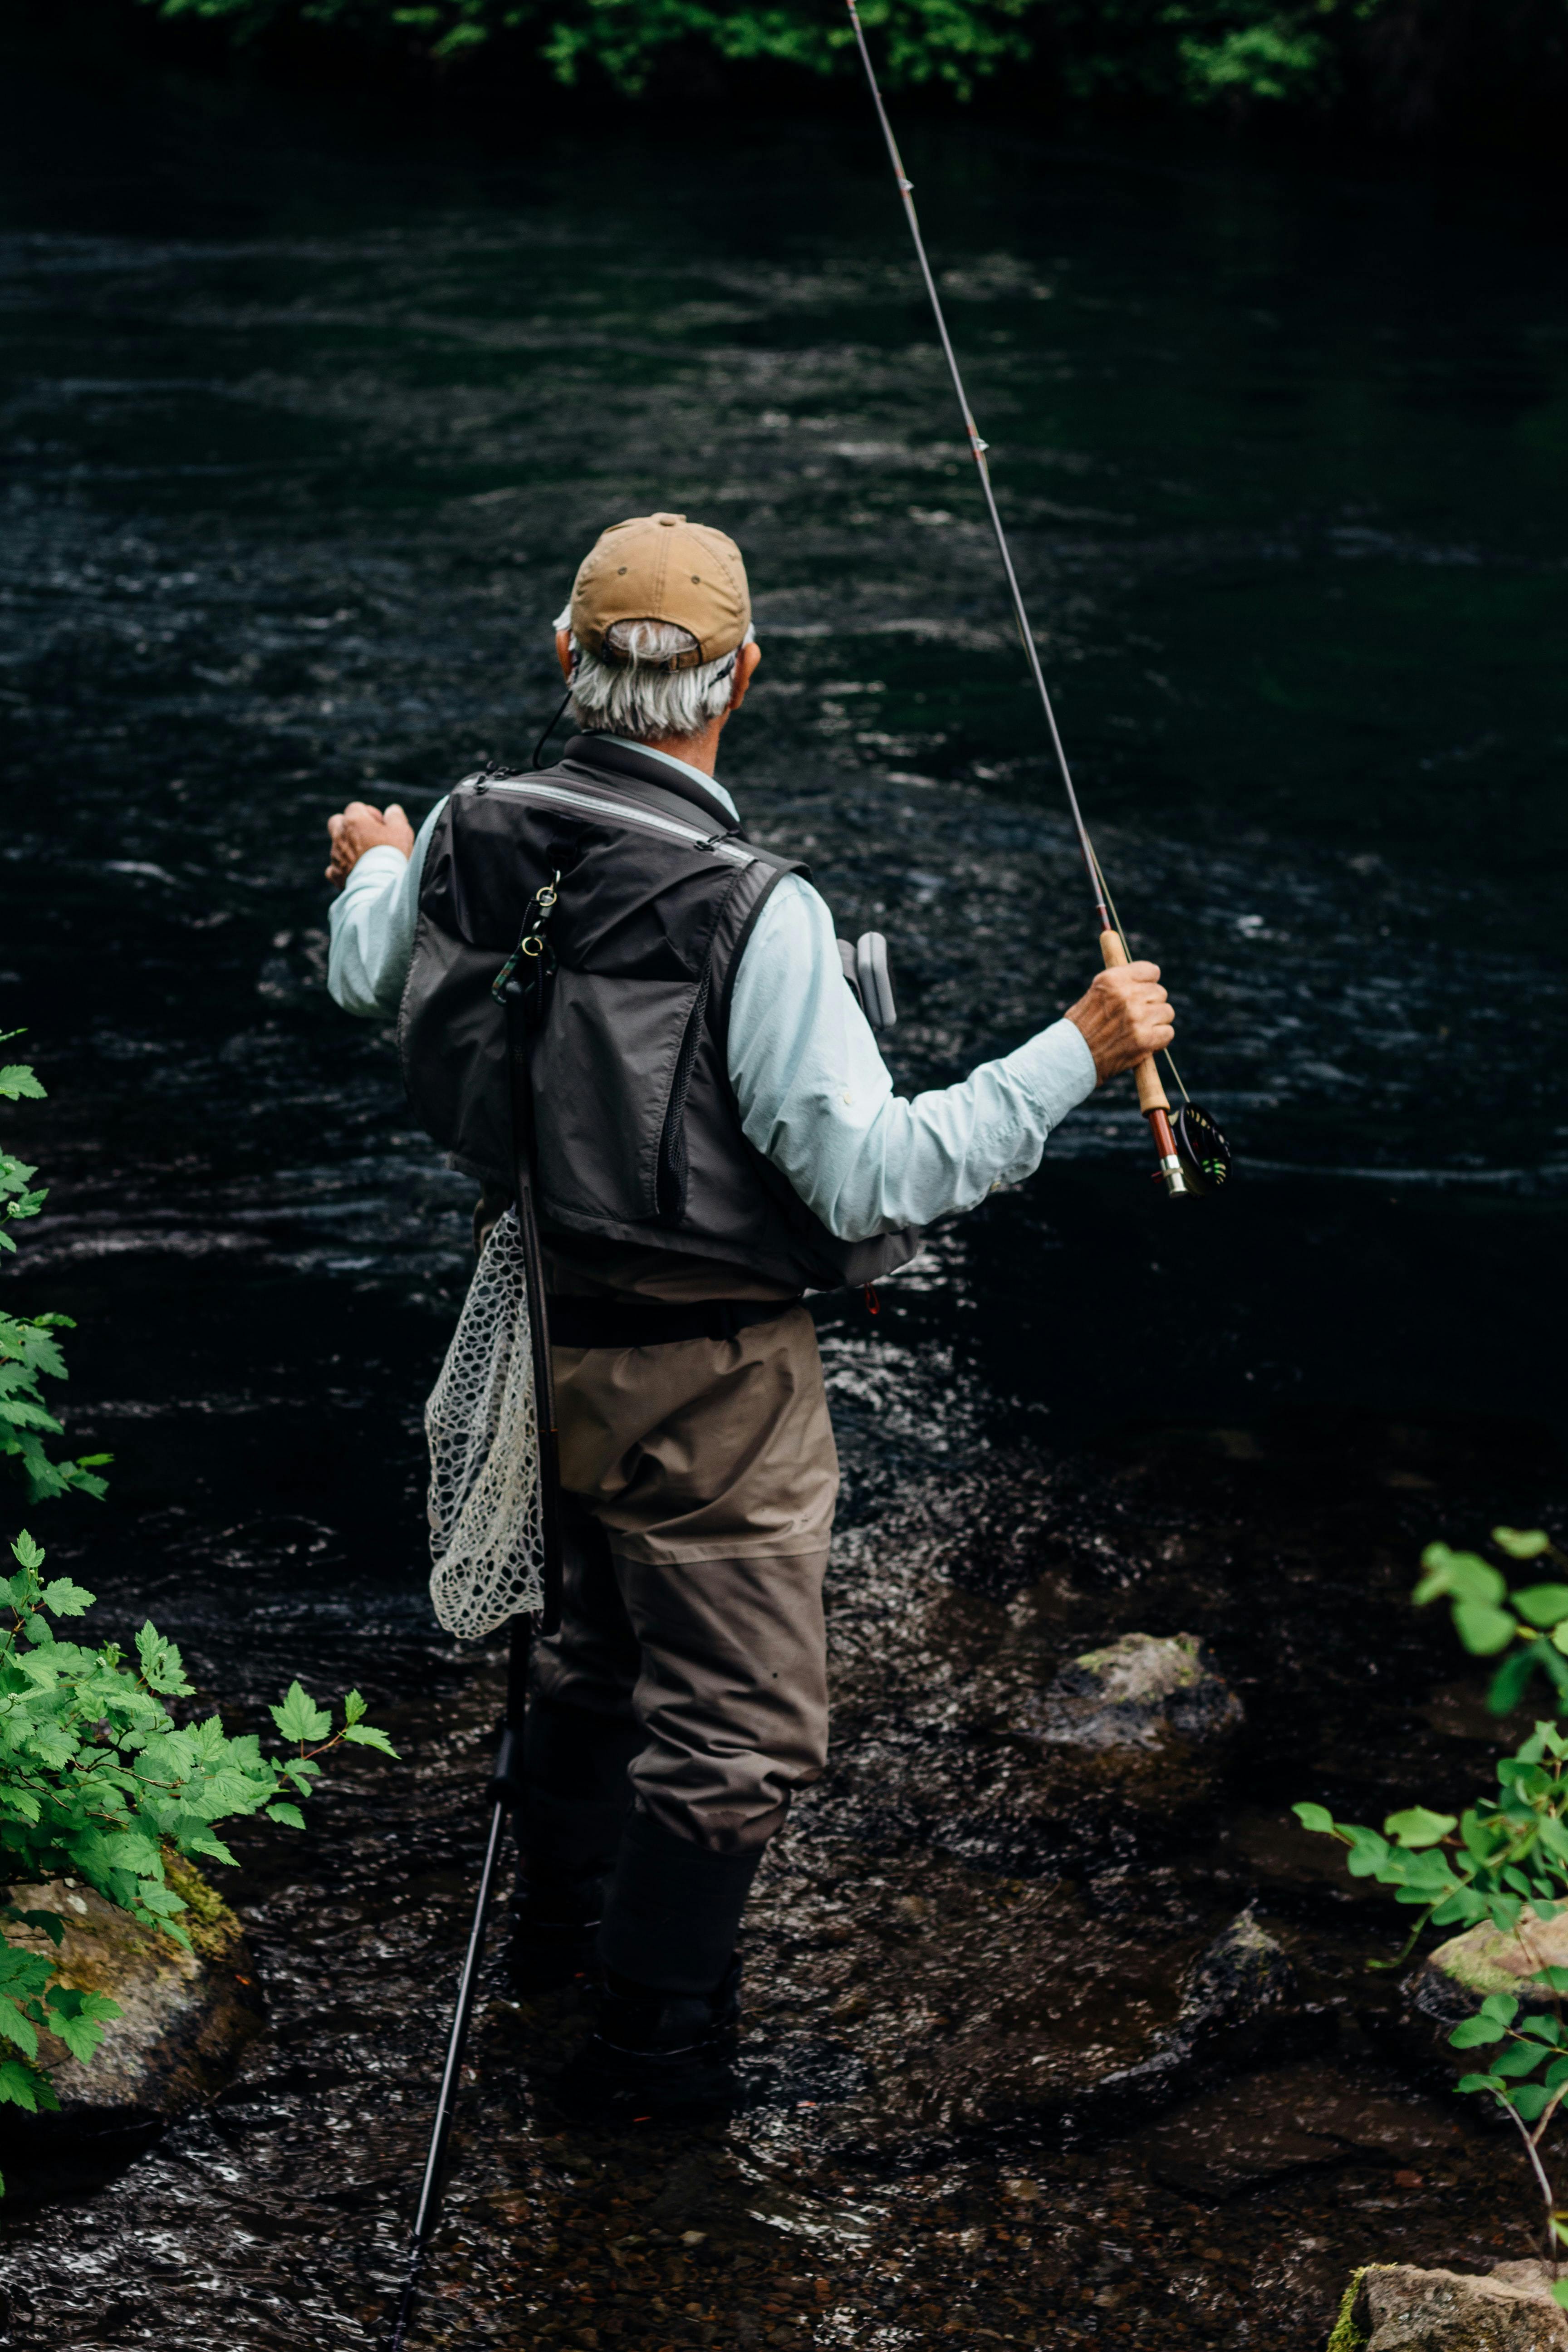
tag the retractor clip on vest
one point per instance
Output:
(865, 969)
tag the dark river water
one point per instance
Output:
(305, 429)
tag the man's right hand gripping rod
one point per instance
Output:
(1153, 1099)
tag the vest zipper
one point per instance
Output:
(669, 1180)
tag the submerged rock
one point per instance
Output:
(1138, 1692)
(980, 2002)
(1240, 2002)
(186, 2016)
(1391, 2307)
(1267, 2127)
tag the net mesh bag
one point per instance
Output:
(485, 1533)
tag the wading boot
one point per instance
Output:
(664, 2040)
(576, 1800)
(554, 1933)
(655, 2056)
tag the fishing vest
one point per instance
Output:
(637, 1133)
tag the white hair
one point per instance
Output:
(638, 692)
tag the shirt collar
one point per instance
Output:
(709, 784)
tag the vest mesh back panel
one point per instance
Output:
(485, 1533)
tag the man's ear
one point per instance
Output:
(746, 662)
(563, 653)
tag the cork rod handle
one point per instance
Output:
(1151, 1095)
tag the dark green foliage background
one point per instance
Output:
(1449, 70)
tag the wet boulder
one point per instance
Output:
(1240, 2004)
(185, 2017)
(1143, 1692)
(1455, 1977)
(1393, 2307)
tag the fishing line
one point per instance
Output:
(1194, 1155)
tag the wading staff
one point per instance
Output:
(1194, 1156)
(523, 999)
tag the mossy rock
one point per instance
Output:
(1143, 1691)
(186, 2016)
(1394, 2307)
(1453, 1980)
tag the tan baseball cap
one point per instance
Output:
(659, 567)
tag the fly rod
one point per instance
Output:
(1194, 1156)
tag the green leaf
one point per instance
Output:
(30, 1554)
(1418, 1827)
(22, 2087)
(1522, 1543)
(66, 1599)
(15, 2028)
(1523, 2058)
(1528, 2100)
(1471, 2033)
(1478, 2083)
(163, 1667)
(1502, 2006)
(1542, 1604)
(289, 1815)
(1560, 2292)
(1367, 1854)
(1483, 1628)
(49, 1923)
(299, 1717)
(1508, 1684)
(1315, 1817)
(1463, 1575)
(16, 1081)
(79, 2019)
(364, 1735)
(353, 1708)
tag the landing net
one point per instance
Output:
(486, 1532)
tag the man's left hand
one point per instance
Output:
(360, 827)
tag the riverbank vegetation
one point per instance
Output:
(1502, 1864)
(100, 1782)
(1449, 71)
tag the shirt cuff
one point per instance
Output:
(381, 865)
(1055, 1070)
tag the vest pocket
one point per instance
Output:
(610, 1071)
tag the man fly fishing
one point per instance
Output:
(715, 1134)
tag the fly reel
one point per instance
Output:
(1202, 1149)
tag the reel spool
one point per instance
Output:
(1202, 1149)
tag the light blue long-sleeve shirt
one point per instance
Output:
(812, 1088)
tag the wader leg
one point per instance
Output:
(672, 1910)
(576, 1749)
(732, 1698)
(578, 1797)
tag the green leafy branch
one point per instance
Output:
(1490, 1620)
(98, 1780)
(29, 1351)
(1528, 2078)
(1505, 1859)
